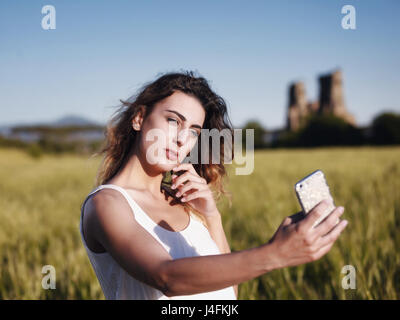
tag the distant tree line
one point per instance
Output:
(50, 146)
(328, 130)
(56, 131)
(52, 140)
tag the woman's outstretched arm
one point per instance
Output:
(214, 272)
(145, 259)
(294, 243)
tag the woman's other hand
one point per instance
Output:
(297, 242)
(194, 190)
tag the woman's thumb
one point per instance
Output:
(286, 222)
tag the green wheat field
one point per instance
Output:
(40, 208)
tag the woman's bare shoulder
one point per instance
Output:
(107, 199)
(105, 207)
(102, 206)
(94, 206)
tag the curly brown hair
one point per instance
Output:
(120, 138)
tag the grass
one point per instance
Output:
(40, 208)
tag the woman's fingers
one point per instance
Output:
(195, 195)
(322, 251)
(313, 216)
(185, 177)
(328, 240)
(185, 166)
(189, 186)
(331, 236)
(328, 223)
(188, 181)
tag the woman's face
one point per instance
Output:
(171, 130)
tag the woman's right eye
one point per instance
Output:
(172, 120)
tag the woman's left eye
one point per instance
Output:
(176, 122)
(172, 120)
(195, 133)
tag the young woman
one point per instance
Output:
(149, 240)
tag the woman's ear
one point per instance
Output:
(136, 125)
(138, 118)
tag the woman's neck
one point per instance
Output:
(134, 174)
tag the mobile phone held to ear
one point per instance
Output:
(311, 190)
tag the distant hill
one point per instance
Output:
(65, 121)
(74, 126)
(73, 120)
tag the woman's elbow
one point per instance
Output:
(163, 282)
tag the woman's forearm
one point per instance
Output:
(193, 275)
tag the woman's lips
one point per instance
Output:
(171, 155)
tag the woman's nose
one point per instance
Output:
(182, 137)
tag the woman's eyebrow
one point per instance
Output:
(183, 118)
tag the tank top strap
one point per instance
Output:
(142, 217)
(144, 220)
(135, 207)
(139, 215)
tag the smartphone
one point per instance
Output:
(311, 190)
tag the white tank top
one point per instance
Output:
(194, 240)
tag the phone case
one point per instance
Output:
(311, 190)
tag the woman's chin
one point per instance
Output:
(166, 164)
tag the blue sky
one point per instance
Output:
(250, 51)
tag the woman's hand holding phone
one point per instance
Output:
(297, 242)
